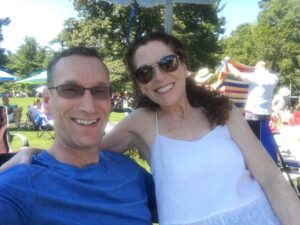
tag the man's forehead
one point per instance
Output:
(81, 68)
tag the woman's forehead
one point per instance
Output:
(151, 52)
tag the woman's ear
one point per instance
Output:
(46, 98)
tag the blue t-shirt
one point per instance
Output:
(114, 191)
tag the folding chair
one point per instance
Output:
(6, 136)
(41, 123)
(289, 167)
(5, 157)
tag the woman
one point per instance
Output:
(208, 166)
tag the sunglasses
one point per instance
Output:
(72, 91)
(145, 73)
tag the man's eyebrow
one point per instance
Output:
(101, 84)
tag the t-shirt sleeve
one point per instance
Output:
(247, 76)
(9, 213)
(150, 187)
(14, 204)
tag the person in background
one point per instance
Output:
(207, 165)
(258, 107)
(261, 87)
(281, 104)
(3, 128)
(13, 111)
(203, 77)
(296, 115)
(74, 182)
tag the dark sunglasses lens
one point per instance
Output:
(144, 74)
(101, 92)
(70, 91)
(168, 63)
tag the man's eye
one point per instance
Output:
(70, 89)
(98, 90)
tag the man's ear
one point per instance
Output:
(46, 99)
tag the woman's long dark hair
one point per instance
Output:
(215, 105)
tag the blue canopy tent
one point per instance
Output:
(4, 77)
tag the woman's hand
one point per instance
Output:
(22, 157)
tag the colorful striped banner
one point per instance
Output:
(235, 88)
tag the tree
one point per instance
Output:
(278, 39)
(240, 45)
(29, 58)
(105, 26)
(3, 58)
(275, 39)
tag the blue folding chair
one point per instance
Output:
(263, 132)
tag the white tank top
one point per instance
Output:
(205, 181)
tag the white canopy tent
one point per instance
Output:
(4, 76)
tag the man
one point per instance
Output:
(261, 87)
(13, 111)
(259, 103)
(72, 183)
(203, 77)
(281, 105)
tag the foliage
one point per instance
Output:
(11, 87)
(275, 39)
(105, 26)
(118, 77)
(3, 59)
(28, 59)
(240, 44)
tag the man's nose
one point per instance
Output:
(87, 102)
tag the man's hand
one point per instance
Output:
(232, 70)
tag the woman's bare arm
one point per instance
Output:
(129, 133)
(22, 157)
(282, 197)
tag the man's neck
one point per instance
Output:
(79, 158)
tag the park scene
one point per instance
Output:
(255, 69)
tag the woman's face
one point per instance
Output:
(165, 88)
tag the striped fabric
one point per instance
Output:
(235, 88)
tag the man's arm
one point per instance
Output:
(234, 71)
(151, 196)
(15, 197)
(9, 215)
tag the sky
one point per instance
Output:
(43, 19)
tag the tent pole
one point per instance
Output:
(169, 16)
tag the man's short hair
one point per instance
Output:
(260, 64)
(82, 51)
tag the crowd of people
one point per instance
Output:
(122, 102)
(38, 115)
(14, 112)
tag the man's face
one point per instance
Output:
(5, 100)
(79, 123)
